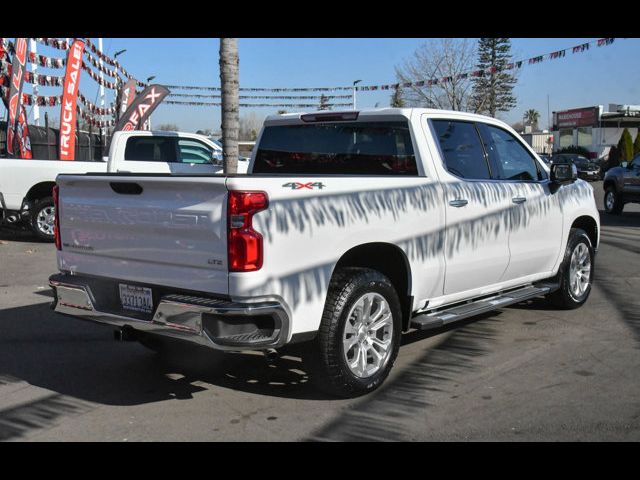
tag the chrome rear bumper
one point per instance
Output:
(214, 323)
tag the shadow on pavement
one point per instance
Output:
(80, 359)
(381, 415)
(19, 234)
(38, 414)
(625, 219)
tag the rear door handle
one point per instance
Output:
(458, 203)
(518, 199)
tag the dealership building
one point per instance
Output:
(594, 128)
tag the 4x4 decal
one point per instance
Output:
(300, 186)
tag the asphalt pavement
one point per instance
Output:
(523, 373)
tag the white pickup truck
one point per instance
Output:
(25, 185)
(350, 229)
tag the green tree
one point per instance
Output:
(614, 157)
(493, 90)
(396, 98)
(532, 116)
(625, 146)
(636, 144)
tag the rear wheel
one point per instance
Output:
(576, 272)
(613, 203)
(359, 335)
(42, 218)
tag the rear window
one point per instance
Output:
(349, 148)
(150, 149)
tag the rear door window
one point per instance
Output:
(193, 151)
(462, 149)
(151, 149)
(347, 148)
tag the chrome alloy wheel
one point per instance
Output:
(368, 335)
(610, 200)
(579, 270)
(45, 220)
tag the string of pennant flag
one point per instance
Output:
(63, 45)
(422, 83)
(481, 72)
(95, 57)
(299, 105)
(262, 89)
(264, 97)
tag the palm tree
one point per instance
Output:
(230, 103)
(531, 117)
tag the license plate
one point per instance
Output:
(138, 299)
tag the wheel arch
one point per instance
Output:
(39, 190)
(390, 260)
(610, 181)
(589, 225)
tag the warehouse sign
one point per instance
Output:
(578, 117)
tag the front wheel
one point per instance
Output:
(613, 203)
(359, 334)
(576, 272)
(42, 219)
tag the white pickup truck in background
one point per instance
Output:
(350, 228)
(25, 185)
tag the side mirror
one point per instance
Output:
(216, 158)
(563, 173)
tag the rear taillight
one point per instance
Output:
(244, 243)
(56, 221)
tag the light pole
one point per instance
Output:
(354, 92)
(118, 84)
(148, 122)
(34, 69)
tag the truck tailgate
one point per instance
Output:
(161, 230)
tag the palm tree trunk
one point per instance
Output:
(230, 103)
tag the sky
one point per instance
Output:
(599, 76)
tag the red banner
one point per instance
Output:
(15, 93)
(127, 94)
(69, 98)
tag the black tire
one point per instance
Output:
(325, 361)
(39, 207)
(564, 298)
(617, 204)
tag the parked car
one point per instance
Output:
(351, 228)
(587, 169)
(25, 185)
(622, 185)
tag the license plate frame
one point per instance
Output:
(136, 298)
